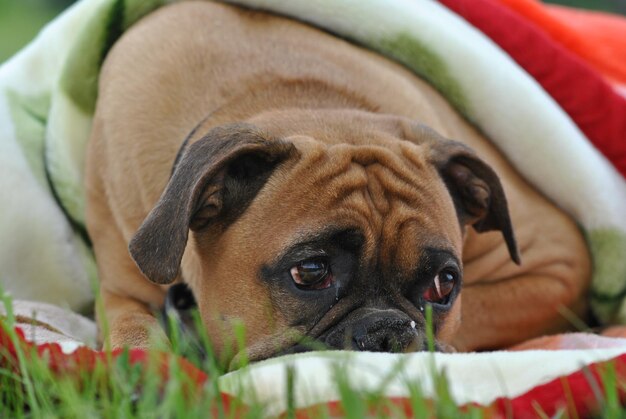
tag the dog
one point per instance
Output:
(307, 188)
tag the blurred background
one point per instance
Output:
(20, 20)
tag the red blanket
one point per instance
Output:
(563, 59)
(597, 38)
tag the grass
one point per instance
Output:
(114, 387)
(20, 21)
(121, 387)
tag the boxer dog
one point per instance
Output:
(309, 189)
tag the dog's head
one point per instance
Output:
(338, 227)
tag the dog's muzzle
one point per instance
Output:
(376, 330)
(364, 329)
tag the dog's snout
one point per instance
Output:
(380, 333)
(376, 331)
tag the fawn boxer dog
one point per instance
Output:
(310, 189)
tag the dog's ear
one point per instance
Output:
(214, 180)
(475, 189)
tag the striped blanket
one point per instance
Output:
(48, 93)
(542, 101)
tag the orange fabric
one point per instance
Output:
(597, 38)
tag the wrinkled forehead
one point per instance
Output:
(392, 198)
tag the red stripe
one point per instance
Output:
(84, 360)
(591, 102)
(573, 393)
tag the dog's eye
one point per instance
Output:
(311, 274)
(441, 288)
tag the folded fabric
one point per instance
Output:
(598, 38)
(45, 323)
(506, 384)
(581, 91)
(48, 93)
(497, 384)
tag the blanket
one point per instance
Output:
(48, 93)
(538, 382)
(597, 38)
(566, 140)
(598, 110)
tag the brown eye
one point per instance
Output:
(311, 274)
(441, 288)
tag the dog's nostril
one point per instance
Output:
(382, 340)
(392, 344)
(386, 344)
(360, 341)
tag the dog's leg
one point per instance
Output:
(130, 322)
(512, 303)
(127, 296)
(500, 314)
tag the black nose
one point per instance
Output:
(382, 332)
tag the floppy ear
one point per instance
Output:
(215, 178)
(475, 189)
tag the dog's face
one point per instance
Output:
(339, 227)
